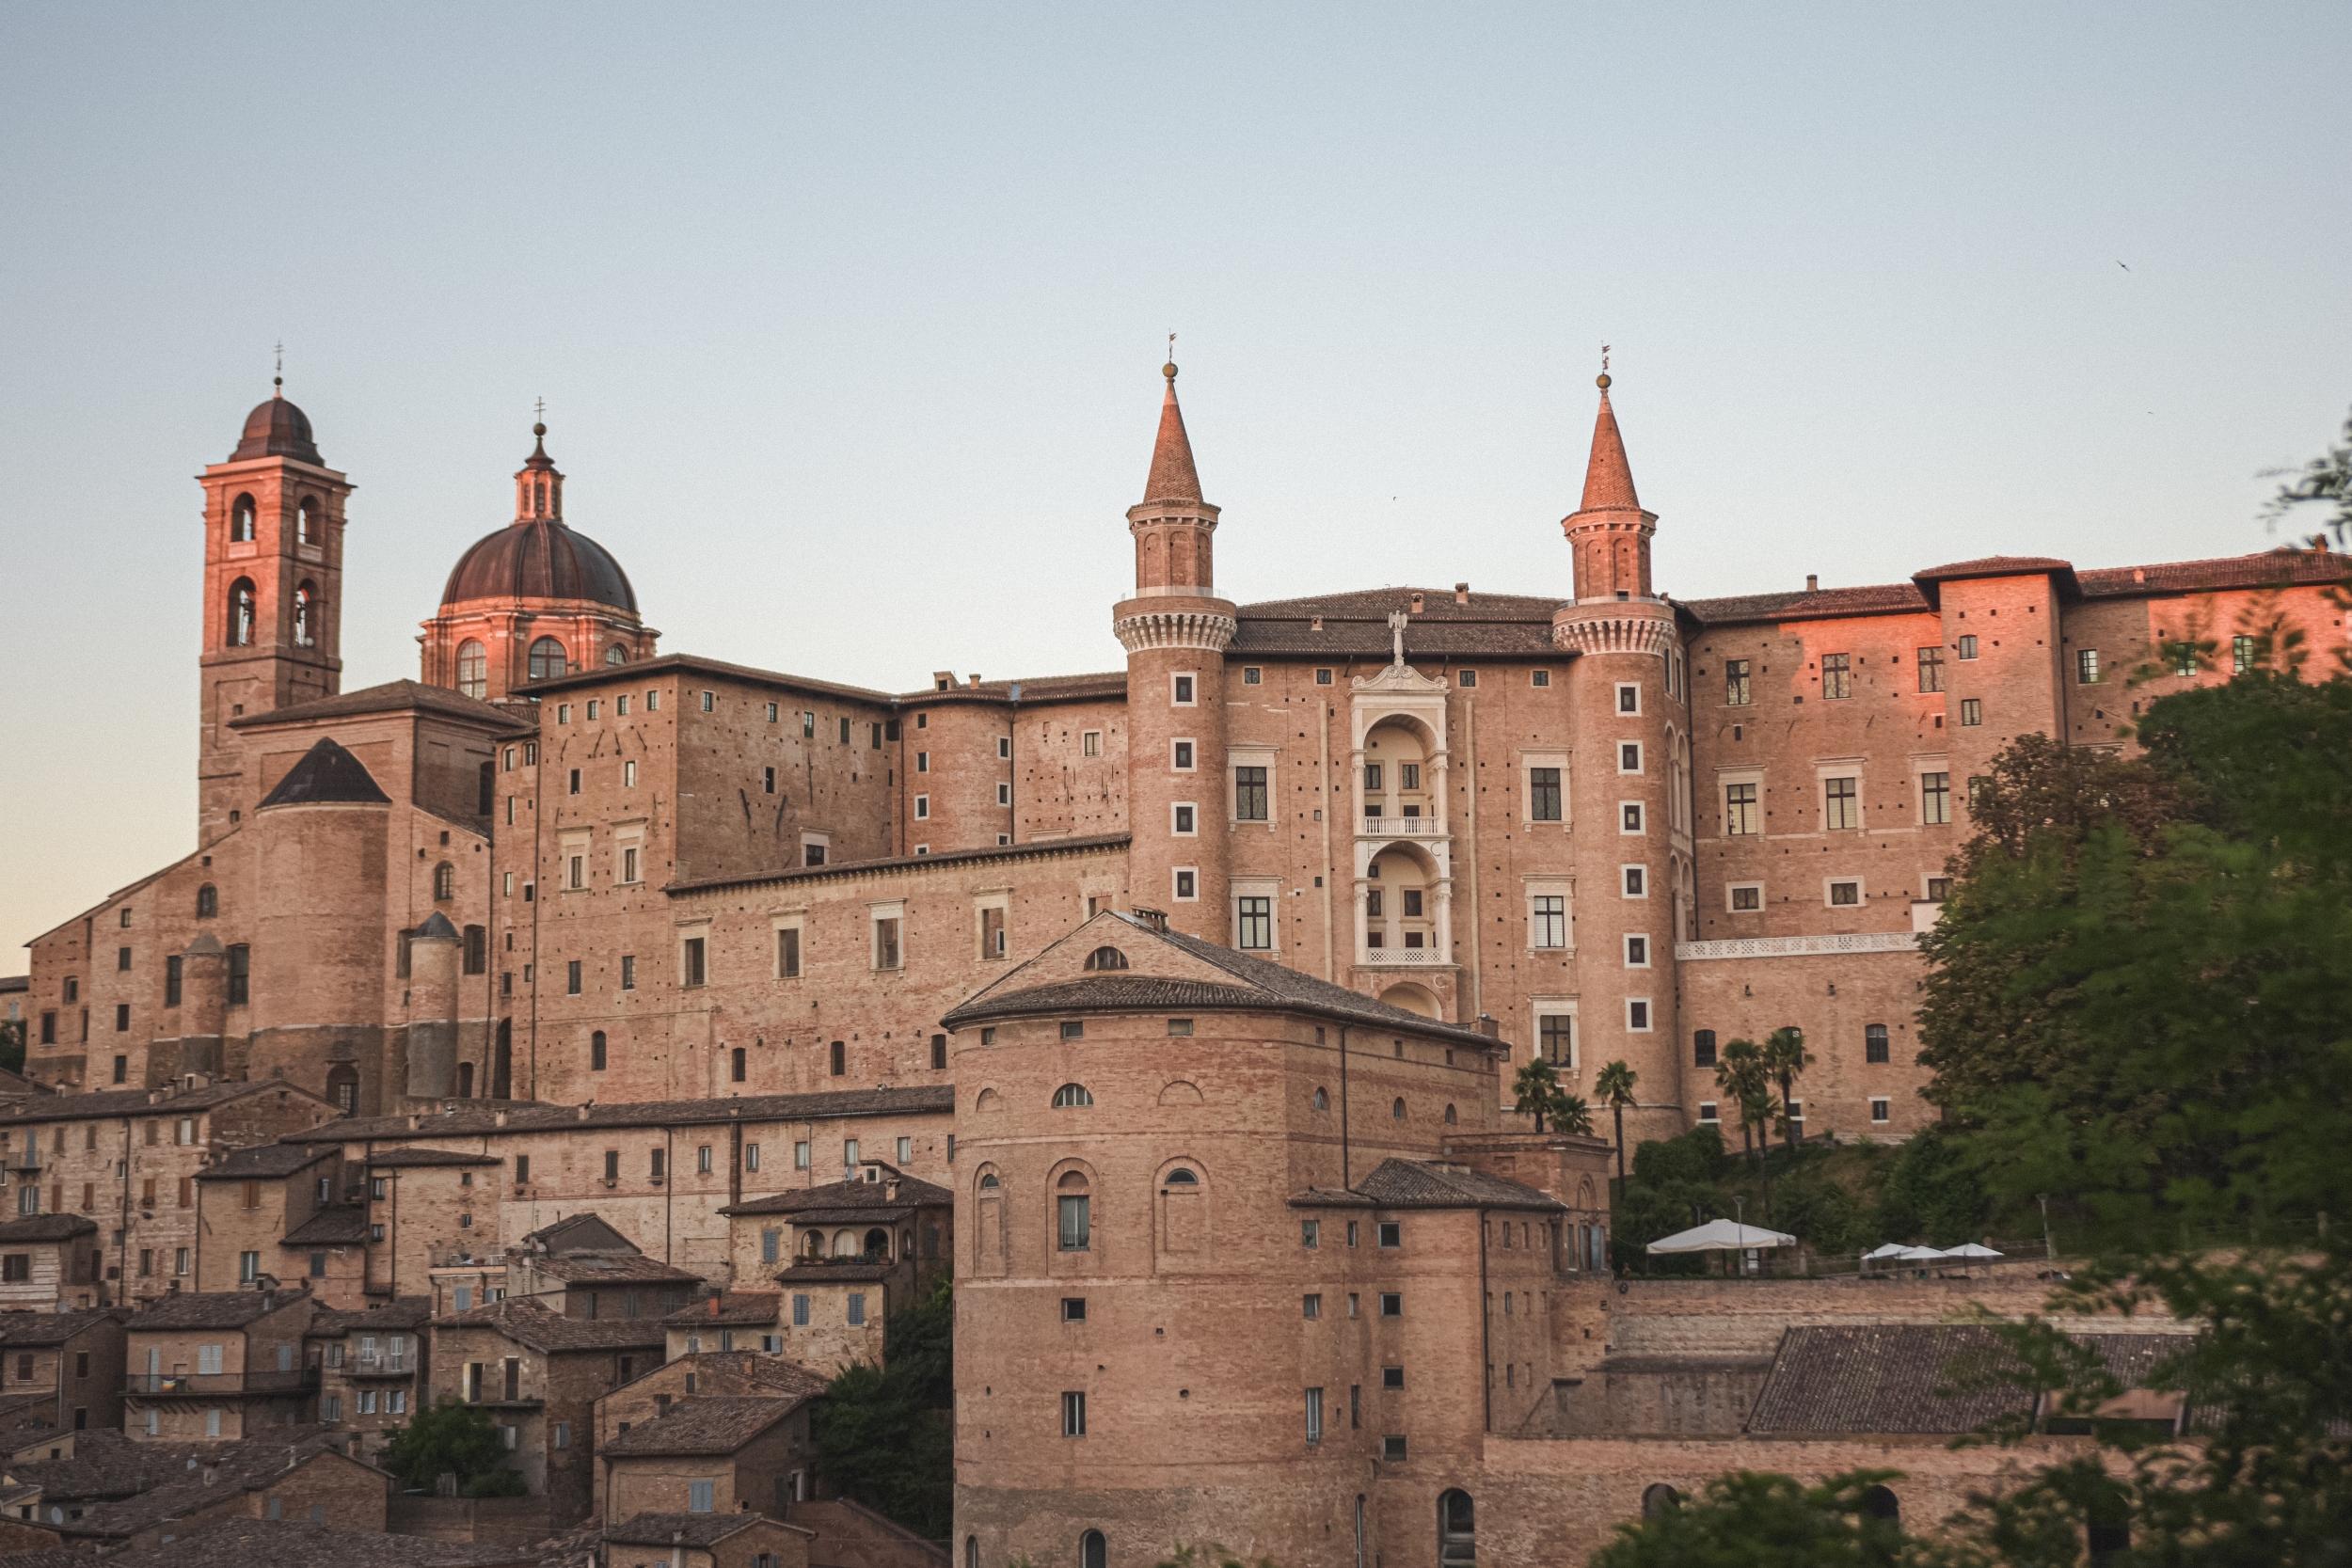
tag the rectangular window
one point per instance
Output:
(906, 1150)
(1181, 761)
(1637, 1015)
(240, 974)
(1373, 776)
(2086, 666)
(1968, 646)
(1251, 674)
(697, 965)
(699, 1498)
(922, 807)
(1004, 794)
(1874, 1048)
(1323, 677)
(1939, 889)
(840, 1058)
(799, 1311)
(1392, 1304)
(1628, 756)
(1971, 712)
(122, 1018)
(1555, 1036)
(1737, 692)
(1703, 1048)
(1935, 797)
(1314, 1416)
(1630, 817)
(1845, 895)
(1311, 1305)
(571, 977)
(1979, 791)
(767, 781)
(1182, 820)
(800, 1154)
(1548, 921)
(939, 1052)
(857, 1310)
(611, 1164)
(1539, 677)
(1636, 881)
(574, 781)
(1931, 662)
(1310, 1233)
(1543, 795)
(1880, 1110)
(769, 1246)
(1841, 805)
(1637, 952)
(2184, 659)
(2241, 655)
(992, 933)
(1182, 686)
(171, 981)
(1187, 884)
(1255, 924)
(886, 943)
(1391, 1234)
(1249, 794)
(1073, 1415)
(788, 954)
(1836, 680)
(808, 726)
(1076, 1226)
(845, 732)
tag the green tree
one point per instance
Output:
(881, 1432)
(1209, 1554)
(452, 1438)
(1536, 1091)
(1757, 1519)
(1572, 1113)
(12, 1039)
(1614, 1085)
(1784, 1060)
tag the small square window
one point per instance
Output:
(1637, 952)
(1968, 646)
(1630, 817)
(1179, 1026)
(1971, 712)
(1707, 1112)
(1939, 889)
(1311, 1305)
(1628, 756)
(1747, 897)
(1628, 698)
(1323, 677)
(1391, 1234)
(1181, 761)
(1180, 822)
(1073, 1310)
(1466, 679)
(1636, 881)
(1187, 885)
(1392, 1449)
(1391, 1377)
(1073, 1029)
(1845, 895)
(1310, 1233)
(1391, 1304)
(1182, 691)
(1539, 677)
(1637, 1015)
(1880, 1110)
(1251, 674)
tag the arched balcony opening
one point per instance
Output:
(547, 659)
(1404, 916)
(241, 613)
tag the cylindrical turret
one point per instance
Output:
(433, 964)
(203, 1011)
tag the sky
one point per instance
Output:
(848, 319)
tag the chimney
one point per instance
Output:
(1812, 583)
(714, 1306)
(1316, 625)
(1417, 604)
(584, 1112)
(890, 1190)
(500, 1118)
(1489, 1027)
(976, 680)
(415, 1122)
(1461, 592)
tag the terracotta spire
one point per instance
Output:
(1607, 477)
(1172, 474)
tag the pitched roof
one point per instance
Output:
(391, 697)
(1355, 627)
(264, 1162)
(605, 1268)
(692, 664)
(247, 1466)
(702, 1426)
(826, 1271)
(1030, 850)
(46, 1227)
(1825, 604)
(527, 1322)
(52, 1328)
(1111, 683)
(735, 1309)
(2263, 569)
(291, 1544)
(858, 1199)
(212, 1310)
(1885, 1378)
(408, 1312)
(1427, 1184)
(581, 1232)
(386, 1158)
(1248, 983)
(108, 1463)
(114, 1104)
(334, 1224)
(693, 1529)
(1172, 476)
(1608, 477)
(326, 775)
(473, 1118)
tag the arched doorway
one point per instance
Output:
(502, 1062)
(1457, 1528)
(1880, 1503)
(1412, 998)
(1093, 1551)
(1658, 1498)
(343, 1087)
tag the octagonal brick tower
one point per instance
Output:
(1176, 630)
(1630, 796)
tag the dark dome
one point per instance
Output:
(540, 558)
(277, 428)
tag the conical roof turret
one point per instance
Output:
(1608, 477)
(1173, 477)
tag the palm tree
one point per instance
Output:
(1571, 1114)
(1614, 1085)
(1536, 1091)
(1741, 1075)
(1784, 1057)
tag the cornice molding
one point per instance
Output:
(1175, 628)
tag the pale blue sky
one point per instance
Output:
(848, 318)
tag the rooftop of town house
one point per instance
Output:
(687, 1529)
(605, 1268)
(480, 1119)
(732, 1309)
(407, 1314)
(1162, 971)
(263, 1162)
(45, 1228)
(292, 1544)
(836, 1271)
(887, 1192)
(1030, 691)
(212, 1310)
(107, 1463)
(326, 775)
(250, 1464)
(583, 1232)
(334, 1224)
(115, 1104)
(711, 1425)
(397, 1158)
(745, 1372)
(26, 1330)
(1030, 850)
(527, 1322)
(1427, 1184)
(1354, 626)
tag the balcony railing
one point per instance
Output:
(25, 1160)
(1404, 826)
(196, 1384)
(379, 1366)
(1404, 958)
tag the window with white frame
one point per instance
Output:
(813, 848)
(1628, 756)
(922, 807)
(1707, 1116)
(1844, 893)
(1181, 753)
(1745, 897)
(1186, 880)
(1637, 1015)
(787, 944)
(1841, 804)
(628, 857)
(1548, 920)
(1184, 818)
(1629, 697)
(1882, 1111)
(1636, 951)
(888, 922)
(1181, 689)
(1630, 817)
(1634, 881)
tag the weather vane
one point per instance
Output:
(1604, 359)
(277, 377)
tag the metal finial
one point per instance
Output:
(1603, 381)
(278, 378)
(1169, 370)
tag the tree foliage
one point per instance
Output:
(1536, 1091)
(452, 1438)
(1757, 1519)
(881, 1434)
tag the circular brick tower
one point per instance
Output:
(1176, 630)
(1630, 786)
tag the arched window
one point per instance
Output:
(1093, 1551)
(444, 882)
(1075, 1212)
(465, 1080)
(1106, 957)
(241, 515)
(343, 1087)
(241, 613)
(473, 669)
(307, 521)
(547, 659)
(207, 901)
(616, 655)
(971, 1551)
(1658, 1498)
(1397, 1110)
(306, 615)
(1457, 1528)
(1879, 1503)
(845, 1244)
(1180, 1177)
(988, 1182)
(1449, 1115)
(878, 1245)
(1322, 1099)
(813, 1244)
(1070, 1095)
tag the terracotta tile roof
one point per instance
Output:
(827, 1272)
(107, 1464)
(264, 1161)
(1258, 986)
(1884, 1379)
(693, 1529)
(1356, 627)
(527, 1322)
(1995, 567)
(247, 1466)
(291, 1544)
(858, 1199)
(2263, 569)
(407, 1313)
(606, 1268)
(1428, 1184)
(580, 1232)
(46, 1227)
(336, 1224)
(387, 1159)
(1886, 599)
(527, 1116)
(392, 697)
(702, 1426)
(212, 1310)
(1608, 477)
(1108, 684)
(735, 1310)
(114, 1104)
(52, 1328)
(1172, 477)
(1030, 850)
(694, 664)
(742, 1372)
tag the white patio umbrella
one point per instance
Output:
(1972, 1249)
(1921, 1254)
(1722, 1236)
(1892, 1249)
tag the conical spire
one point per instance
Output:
(1172, 474)
(1608, 477)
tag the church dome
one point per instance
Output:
(539, 558)
(277, 428)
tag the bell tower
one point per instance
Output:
(273, 595)
(1176, 630)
